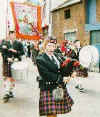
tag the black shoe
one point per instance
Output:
(11, 95)
(6, 96)
(82, 90)
(77, 86)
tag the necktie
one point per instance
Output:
(54, 61)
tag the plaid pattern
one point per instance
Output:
(7, 69)
(48, 105)
(82, 73)
(4, 68)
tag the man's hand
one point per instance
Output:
(66, 79)
(74, 74)
(68, 60)
(10, 60)
(12, 50)
(4, 46)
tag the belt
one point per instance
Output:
(50, 83)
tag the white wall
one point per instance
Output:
(55, 3)
(3, 9)
(51, 4)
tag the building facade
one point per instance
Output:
(77, 19)
(47, 18)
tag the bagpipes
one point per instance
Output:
(68, 66)
(7, 52)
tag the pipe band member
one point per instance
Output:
(11, 50)
(49, 70)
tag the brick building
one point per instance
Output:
(77, 19)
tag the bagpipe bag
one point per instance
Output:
(70, 65)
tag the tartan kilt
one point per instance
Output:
(4, 68)
(82, 73)
(48, 105)
(7, 69)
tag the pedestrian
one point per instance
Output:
(64, 47)
(51, 79)
(35, 52)
(78, 80)
(11, 51)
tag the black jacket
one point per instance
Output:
(19, 48)
(3, 50)
(49, 73)
(8, 54)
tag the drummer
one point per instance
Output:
(14, 51)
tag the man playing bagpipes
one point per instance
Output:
(51, 81)
(68, 65)
(11, 51)
(52, 68)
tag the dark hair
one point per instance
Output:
(11, 32)
(53, 40)
(76, 41)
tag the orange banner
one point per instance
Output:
(27, 20)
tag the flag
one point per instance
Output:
(27, 20)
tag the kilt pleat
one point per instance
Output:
(49, 106)
(4, 68)
(7, 69)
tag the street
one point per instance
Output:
(66, 36)
(25, 103)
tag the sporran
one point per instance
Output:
(58, 94)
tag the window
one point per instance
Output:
(67, 14)
(90, 11)
(70, 36)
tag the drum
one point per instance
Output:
(89, 56)
(19, 70)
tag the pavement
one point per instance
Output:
(25, 103)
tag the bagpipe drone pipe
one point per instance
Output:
(69, 65)
(72, 65)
